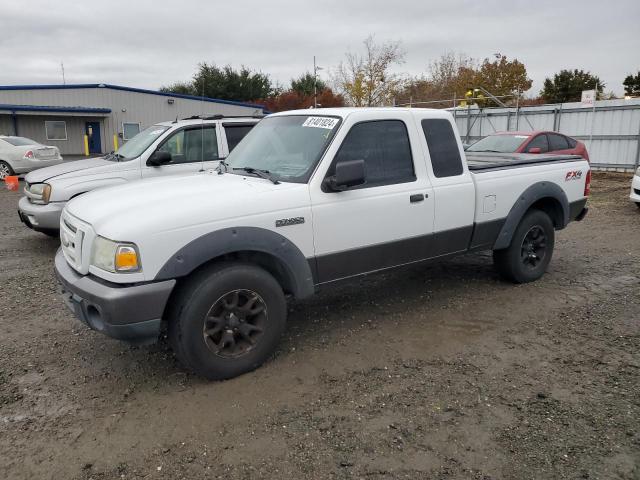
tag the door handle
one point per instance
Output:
(418, 197)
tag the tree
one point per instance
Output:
(366, 80)
(453, 74)
(632, 85)
(226, 83)
(503, 77)
(184, 88)
(305, 84)
(294, 100)
(567, 86)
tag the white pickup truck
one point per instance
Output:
(169, 148)
(307, 199)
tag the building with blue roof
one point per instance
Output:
(109, 115)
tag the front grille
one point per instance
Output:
(71, 240)
(637, 191)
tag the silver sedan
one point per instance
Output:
(20, 155)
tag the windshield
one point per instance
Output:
(138, 144)
(498, 143)
(288, 147)
(20, 141)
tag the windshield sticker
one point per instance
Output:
(320, 122)
(156, 132)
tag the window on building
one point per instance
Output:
(443, 147)
(55, 130)
(130, 130)
(384, 146)
(192, 145)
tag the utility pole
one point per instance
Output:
(315, 82)
(64, 82)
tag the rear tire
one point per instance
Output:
(527, 257)
(5, 170)
(227, 320)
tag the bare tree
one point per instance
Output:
(366, 80)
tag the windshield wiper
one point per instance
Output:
(260, 173)
(113, 156)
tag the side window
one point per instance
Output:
(572, 142)
(557, 142)
(540, 141)
(192, 145)
(384, 146)
(235, 133)
(443, 147)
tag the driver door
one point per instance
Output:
(192, 149)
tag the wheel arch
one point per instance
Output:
(545, 196)
(265, 248)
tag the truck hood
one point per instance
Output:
(157, 205)
(76, 168)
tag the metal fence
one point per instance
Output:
(610, 129)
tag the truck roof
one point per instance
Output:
(344, 112)
(198, 121)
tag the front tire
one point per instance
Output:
(227, 320)
(5, 170)
(527, 257)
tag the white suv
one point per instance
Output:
(169, 148)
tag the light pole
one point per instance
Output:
(315, 82)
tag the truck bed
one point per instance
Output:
(479, 162)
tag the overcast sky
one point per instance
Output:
(152, 43)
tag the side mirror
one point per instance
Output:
(159, 158)
(348, 174)
(535, 150)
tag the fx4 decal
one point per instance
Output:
(285, 222)
(573, 175)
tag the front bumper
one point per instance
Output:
(40, 217)
(132, 313)
(635, 189)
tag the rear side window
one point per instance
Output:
(539, 141)
(572, 142)
(557, 142)
(235, 133)
(443, 147)
(192, 145)
(384, 146)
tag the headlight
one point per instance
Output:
(43, 190)
(115, 256)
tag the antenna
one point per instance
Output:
(64, 82)
(202, 126)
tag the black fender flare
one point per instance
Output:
(531, 195)
(242, 239)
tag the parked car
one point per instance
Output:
(306, 200)
(169, 148)
(635, 188)
(529, 142)
(20, 155)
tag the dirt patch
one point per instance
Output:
(441, 371)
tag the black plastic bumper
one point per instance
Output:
(131, 313)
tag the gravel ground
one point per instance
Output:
(439, 371)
